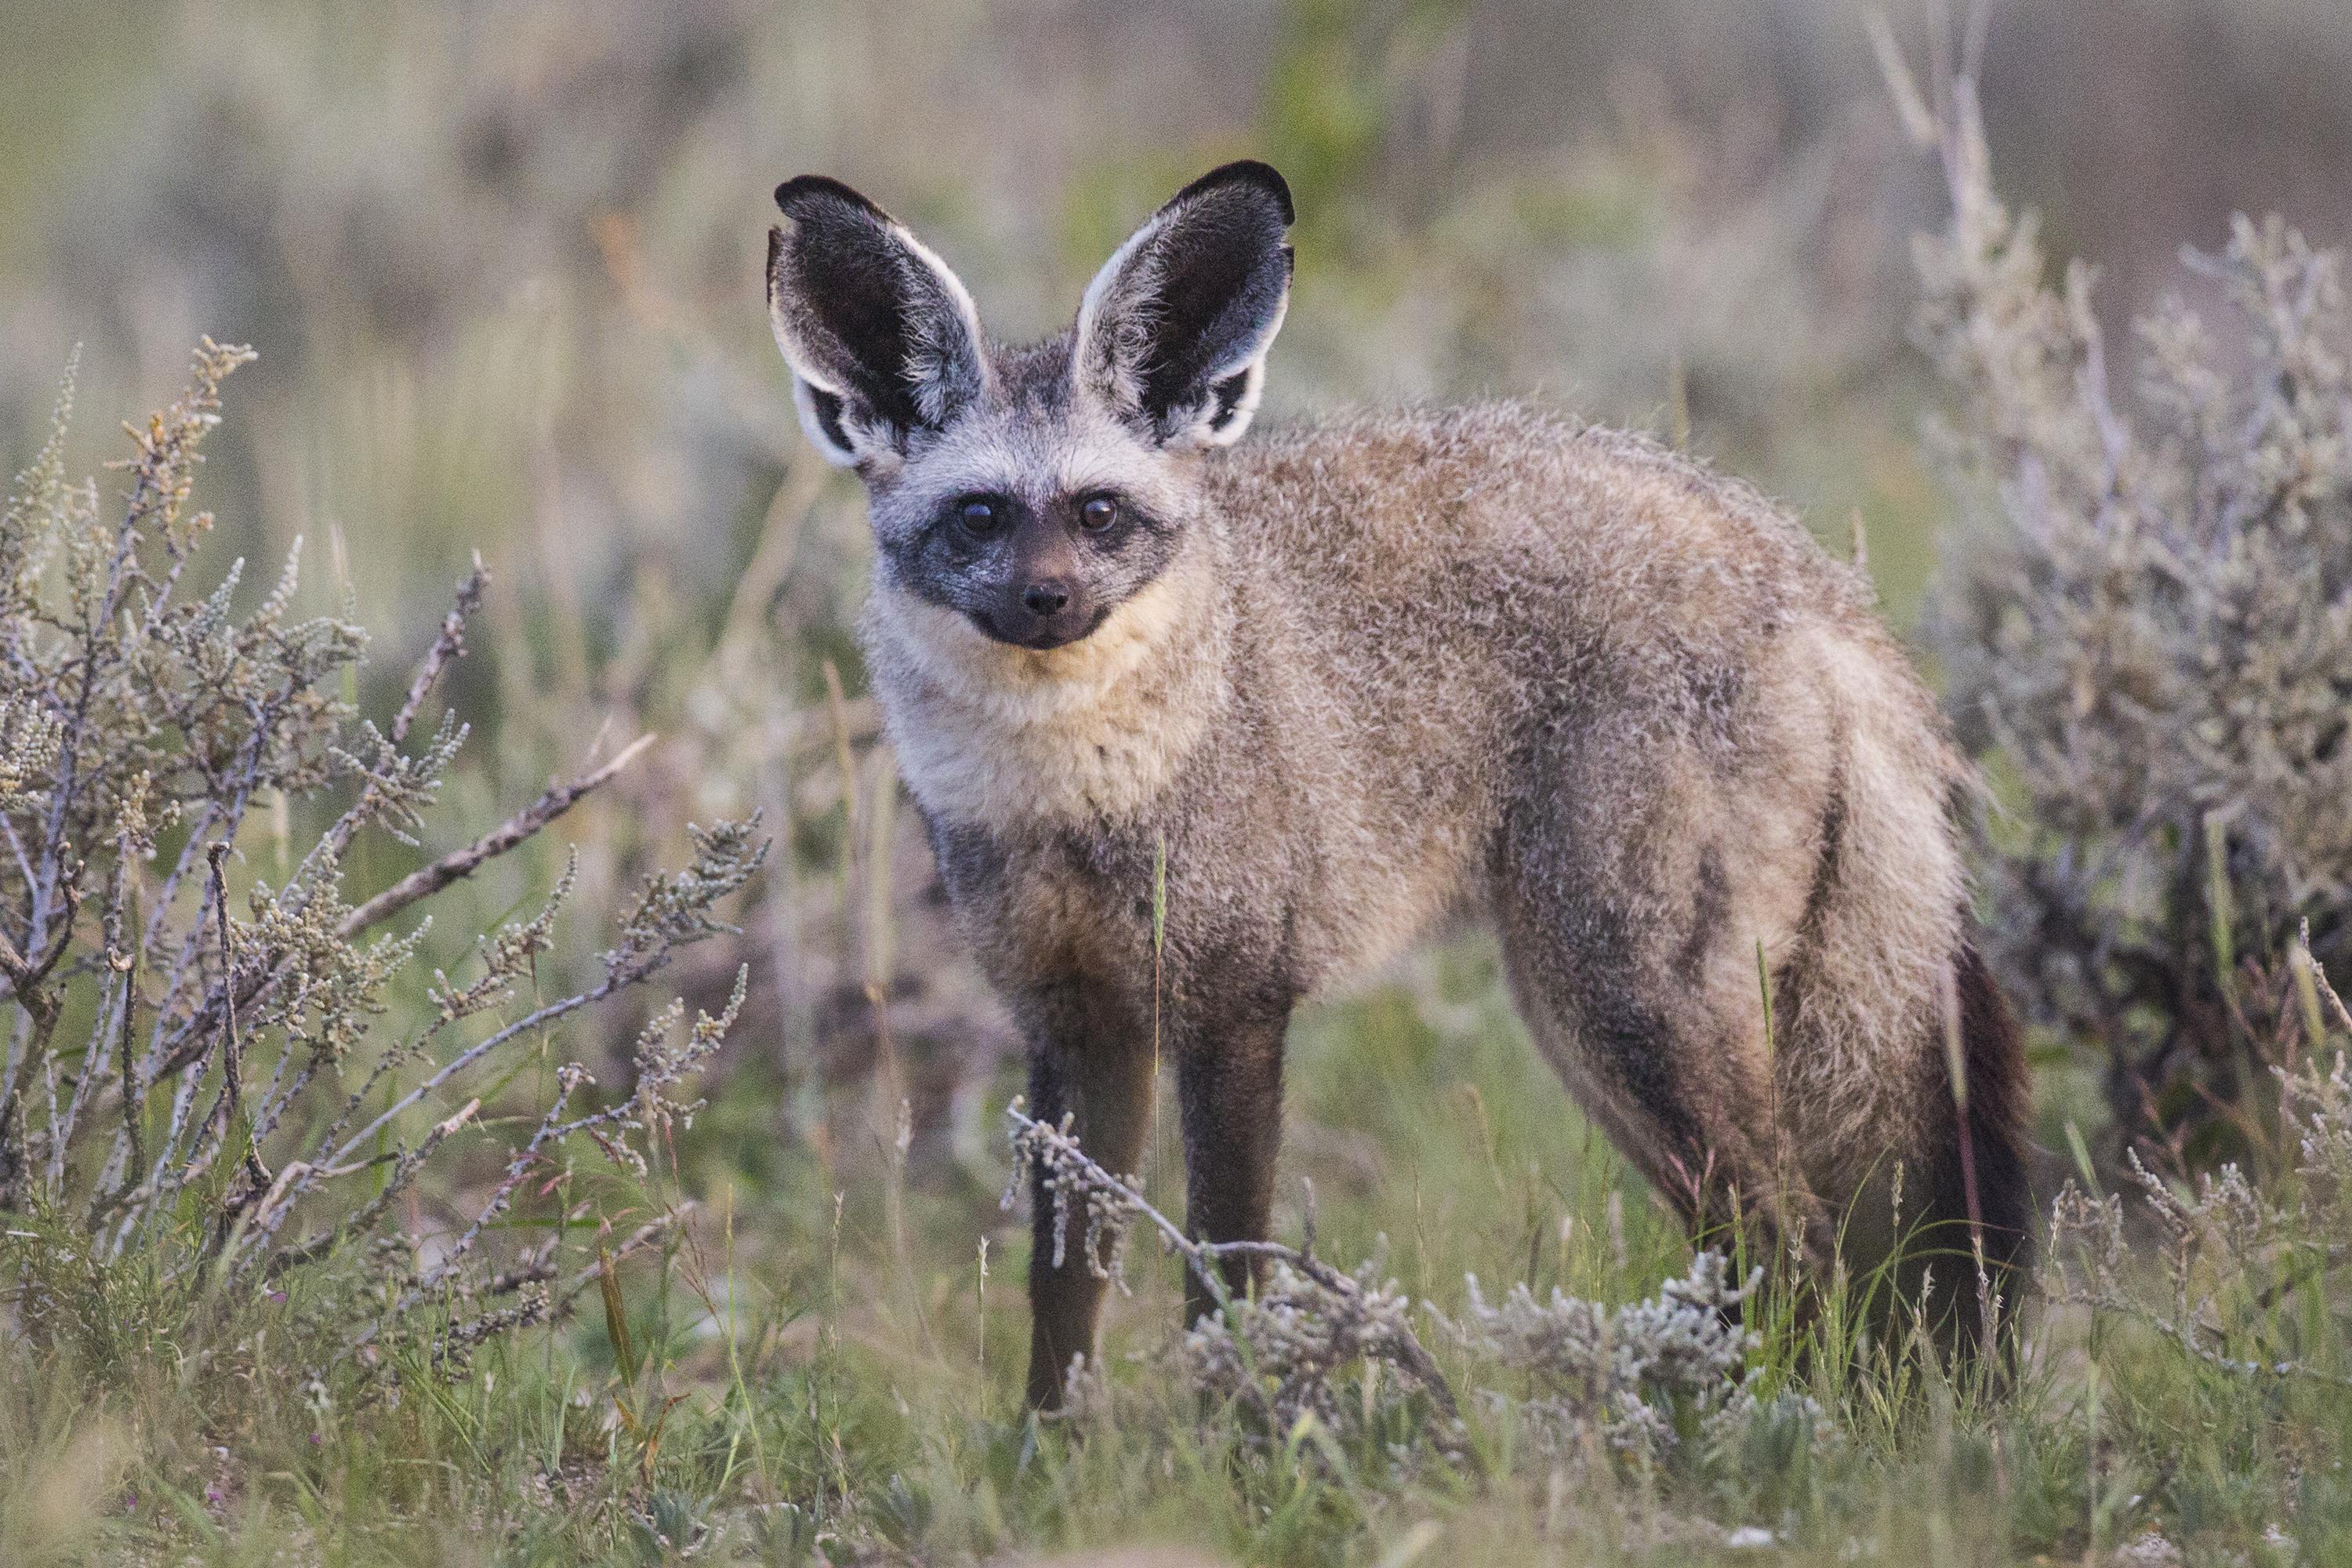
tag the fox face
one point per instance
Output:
(1029, 494)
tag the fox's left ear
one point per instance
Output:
(1173, 332)
(882, 339)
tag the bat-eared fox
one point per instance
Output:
(1360, 676)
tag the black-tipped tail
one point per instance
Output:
(1977, 1188)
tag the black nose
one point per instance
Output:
(1048, 598)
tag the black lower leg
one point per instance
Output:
(1231, 1089)
(1107, 1094)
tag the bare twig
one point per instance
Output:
(450, 643)
(427, 880)
(1058, 1150)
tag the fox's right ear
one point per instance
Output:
(882, 339)
(1173, 332)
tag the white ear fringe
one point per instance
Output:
(1251, 366)
(804, 399)
(1098, 297)
(1201, 431)
(929, 393)
(805, 386)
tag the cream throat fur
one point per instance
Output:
(1094, 731)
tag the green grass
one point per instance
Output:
(813, 1369)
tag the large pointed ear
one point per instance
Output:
(1173, 332)
(881, 337)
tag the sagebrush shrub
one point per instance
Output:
(1643, 1379)
(2150, 628)
(2254, 1271)
(199, 1108)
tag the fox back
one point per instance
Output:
(1350, 680)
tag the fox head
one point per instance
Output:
(1030, 492)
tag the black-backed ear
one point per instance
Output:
(881, 337)
(1173, 332)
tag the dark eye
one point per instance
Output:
(979, 516)
(1097, 513)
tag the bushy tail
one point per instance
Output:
(1978, 1189)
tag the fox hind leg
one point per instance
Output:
(1630, 935)
(1702, 1140)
